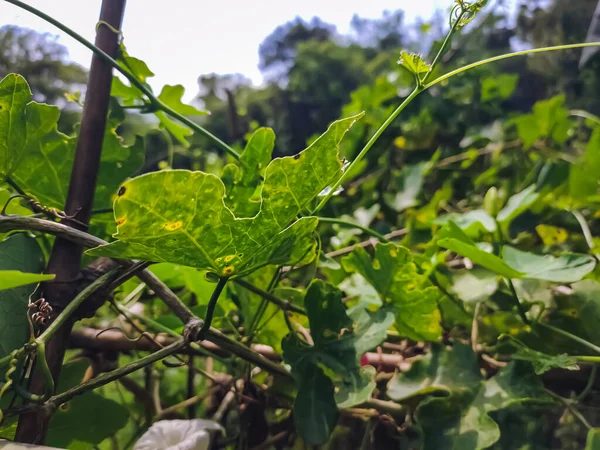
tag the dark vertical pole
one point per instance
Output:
(65, 259)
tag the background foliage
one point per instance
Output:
(478, 330)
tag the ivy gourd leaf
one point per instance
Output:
(14, 278)
(17, 252)
(457, 415)
(579, 313)
(543, 363)
(333, 360)
(474, 223)
(593, 439)
(454, 239)
(14, 96)
(169, 96)
(474, 285)
(40, 158)
(394, 275)
(241, 182)
(583, 175)
(517, 205)
(73, 422)
(566, 268)
(180, 216)
(440, 372)
(414, 63)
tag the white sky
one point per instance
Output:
(182, 39)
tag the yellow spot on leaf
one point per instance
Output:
(228, 270)
(393, 252)
(376, 264)
(229, 258)
(172, 226)
(121, 220)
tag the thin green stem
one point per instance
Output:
(212, 303)
(367, 147)
(586, 115)
(587, 359)
(349, 224)
(108, 377)
(571, 336)
(442, 51)
(156, 103)
(589, 385)
(12, 183)
(587, 233)
(74, 304)
(282, 304)
(517, 301)
(163, 329)
(571, 407)
(507, 56)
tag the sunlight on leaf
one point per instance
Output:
(180, 216)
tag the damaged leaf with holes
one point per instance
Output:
(181, 216)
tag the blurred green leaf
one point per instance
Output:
(17, 252)
(455, 411)
(339, 341)
(74, 420)
(593, 439)
(394, 275)
(517, 205)
(566, 268)
(543, 363)
(498, 87)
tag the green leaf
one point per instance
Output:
(454, 413)
(333, 360)
(474, 223)
(394, 275)
(413, 63)
(357, 390)
(474, 285)
(171, 96)
(315, 410)
(517, 205)
(579, 312)
(18, 252)
(73, 421)
(41, 159)
(14, 278)
(583, 175)
(478, 256)
(543, 363)
(593, 439)
(441, 371)
(566, 268)
(498, 87)
(241, 182)
(409, 183)
(14, 96)
(180, 216)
